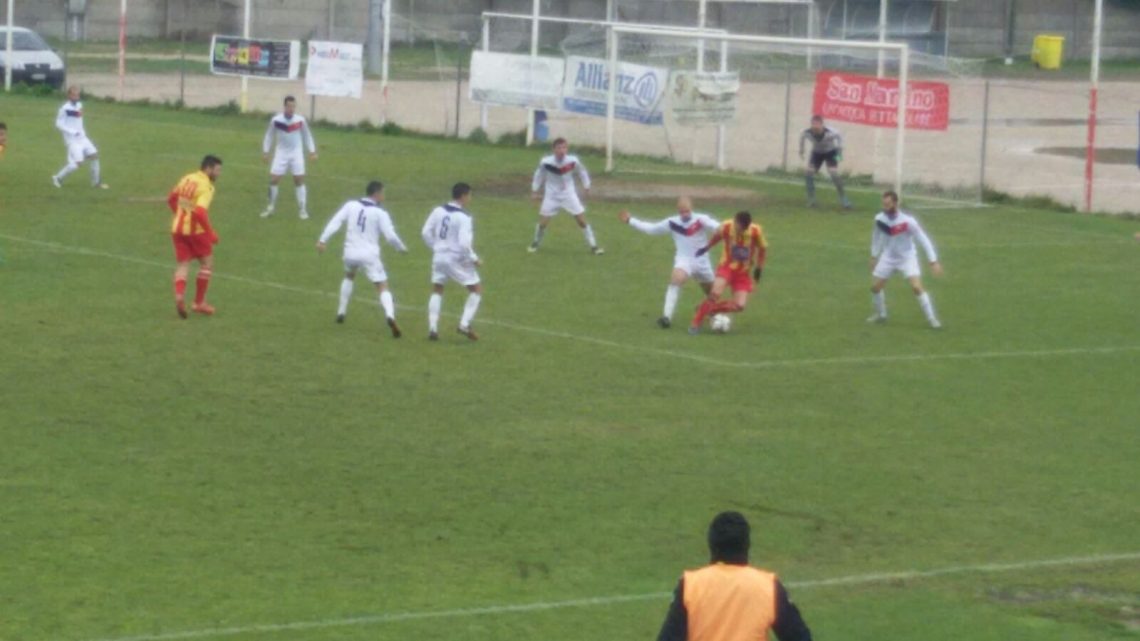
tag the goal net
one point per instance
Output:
(742, 103)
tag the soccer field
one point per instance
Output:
(267, 474)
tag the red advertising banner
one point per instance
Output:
(875, 101)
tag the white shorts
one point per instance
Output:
(372, 268)
(700, 269)
(288, 163)
(887, 266)
(459, 270)
(553, 202)
(80, 149)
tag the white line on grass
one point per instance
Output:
(490, 610)
(696, 358)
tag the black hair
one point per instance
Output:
(4, 126)
(460, 190)
(892, 194)
(729, 538)
(210, 161)
(289, 99)
(743, 218)
(374, 187)
(817, 118)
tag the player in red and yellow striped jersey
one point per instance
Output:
(194, 237)
(745, 250)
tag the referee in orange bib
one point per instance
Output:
(194, 238)
(729, 600)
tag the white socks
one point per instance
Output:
(435, 303)
(588, 232)
(927, 307)
(96, 175)
(272, 196)
(879, 300)
(388, 304)
(67, 169)
(469, 309)
(302, 196)
(345, 295)
(671, 294)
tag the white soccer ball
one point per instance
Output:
(721, 323)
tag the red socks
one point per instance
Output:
(179, 289)
(203, 284)
(705, 309)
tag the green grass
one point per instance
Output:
(266, 466)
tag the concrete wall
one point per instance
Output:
(977, 27)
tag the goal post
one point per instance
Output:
(503, 32)
(734, 45)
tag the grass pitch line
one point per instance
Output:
(491, 610)
(602, 342)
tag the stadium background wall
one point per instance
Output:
(977, 27)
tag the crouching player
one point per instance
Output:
(745, 250)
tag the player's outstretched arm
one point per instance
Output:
(924, 240)
(584, 176)
(537, 181)
(267, 142)
(334, 225)
(428, 231)
(309, 142)
(658, 228)
(390, 235)
(716, 238)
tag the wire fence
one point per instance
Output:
(1020, 131)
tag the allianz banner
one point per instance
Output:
(255, 58)
(875, 101)
(640, 90)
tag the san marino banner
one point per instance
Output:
(335, 69)
(704, 98)
(640, 90)
(255, 58)
(516, 80)
(875, 101)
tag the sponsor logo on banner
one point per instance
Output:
(704, 98)
(640, 90)
(255, 58)
(335, 69)
(516, 80)
(874, 101)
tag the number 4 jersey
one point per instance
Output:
(365, 221)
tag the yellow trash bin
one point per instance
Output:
(1048, 51)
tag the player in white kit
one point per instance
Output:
(555, 177)
(449, 233)
(893, 250)
(69, 121)
(690, 231)
(291, 131)
(366, 221)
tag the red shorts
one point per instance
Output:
(187, 248)
(739, 281)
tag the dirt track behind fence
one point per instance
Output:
(1023, 117)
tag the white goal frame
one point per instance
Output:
(536, 20)
(901, 49)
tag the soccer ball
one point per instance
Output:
(721, 323)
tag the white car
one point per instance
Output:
(33, 60)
